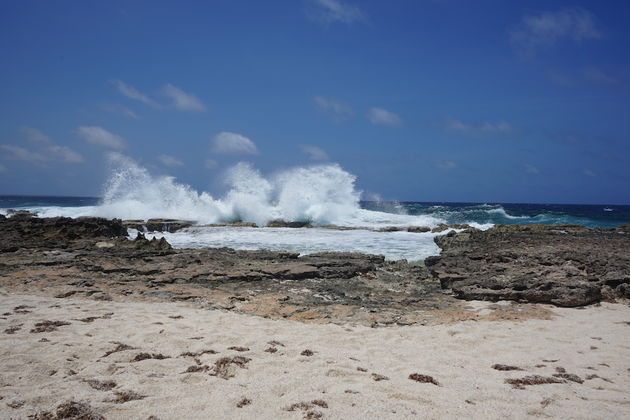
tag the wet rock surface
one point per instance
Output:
(92, 258)
(562, 265)
(23, 230)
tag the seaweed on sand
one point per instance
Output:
(223, 367)
(119, 347)
(48, 326)
(424, 379)
(520, 383)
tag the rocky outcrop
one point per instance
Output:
(158, 225)
(279, 223)
(26, 231)
(562, 265)
(92, 258)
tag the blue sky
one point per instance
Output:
(422, 100)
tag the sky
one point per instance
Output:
(422, 100)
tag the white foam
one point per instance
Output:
(319, 194)
(393, 245)
(501, 211)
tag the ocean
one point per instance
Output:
(322, 195)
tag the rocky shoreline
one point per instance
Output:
(92, 258)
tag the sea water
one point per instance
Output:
(321, 195)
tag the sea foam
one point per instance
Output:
(319, 194)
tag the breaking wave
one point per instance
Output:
(318, 194)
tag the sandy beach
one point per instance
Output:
(176, 361)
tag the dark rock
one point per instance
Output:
(281, 223)
(32, 232)
(564, 265)
(158, 225)
(391, 229)
(418, 229)
(624, 228)
(439, 228)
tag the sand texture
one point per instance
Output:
(172, 361)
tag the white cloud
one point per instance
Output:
(589, 172)
(20, 153)
(43, 149)
(101, 137)
(65, 154)
(314, 152)
(384, 117)
(549, 28)
(170, 161)
(210, 163)
(182, 100)
(338, 111)
(132, 93)
(330, 11)
(445, 164)
(121, 110)
(227, 143)
(531, 169)
(483, 128)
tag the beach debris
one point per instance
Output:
(377, 377)
(70, 410)
(271, 350)
(589, 377)
(520, 383)
(196, 368)
(119, 347)
(176, 317)
(424, 379)
(107, 385)
(243, 402)
(568, 376)
(144, 356)
(48, 326)
(360, 369)
(545, 402)
(236, 348)
(307, 407)
(225, 367)
(198, 353)
(505, 367)
(88, 320)
(126, 396)
(275, 343)
(16, 403)
(307, 353)
(13, 329)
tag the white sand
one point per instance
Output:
(595, 340)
